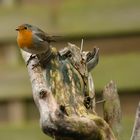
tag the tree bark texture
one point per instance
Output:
(111, 108)
(63, 91)
(136, 128)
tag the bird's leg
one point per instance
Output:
(43, 59)
(32, 56)
(40, 62)
(35, 65)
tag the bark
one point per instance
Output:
(64, 94)
(136, 128)
(112, 107)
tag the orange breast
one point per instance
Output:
(24, 38)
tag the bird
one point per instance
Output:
(32, 39)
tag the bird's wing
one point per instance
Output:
(44, 36)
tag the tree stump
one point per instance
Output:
(63, 91)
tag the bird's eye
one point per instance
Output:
(25, 28)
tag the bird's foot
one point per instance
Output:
(35, 65)
(32, 56)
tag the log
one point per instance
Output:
(63, 92)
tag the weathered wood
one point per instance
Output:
(112, 108)
(63, 91)
(136, 128)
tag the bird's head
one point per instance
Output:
(24, 27)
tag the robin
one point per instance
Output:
(33, 40)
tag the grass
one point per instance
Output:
(74, 17)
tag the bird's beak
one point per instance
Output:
(17, 29)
